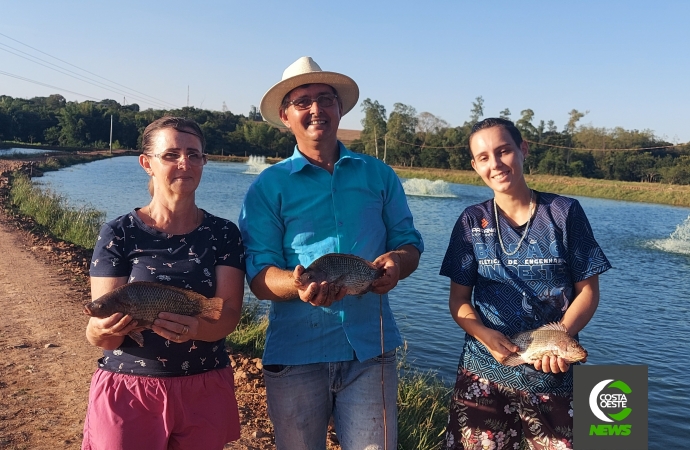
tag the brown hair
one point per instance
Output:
(180, 124)
(495, 122)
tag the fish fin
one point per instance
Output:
(557, 326)
(211, 308)
(138, 337)
(513, 360)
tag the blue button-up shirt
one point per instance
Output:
(295, 212)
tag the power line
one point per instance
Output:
(542, 144)
(604, 149)
(155, 100)
(76, 76)
(44, 84)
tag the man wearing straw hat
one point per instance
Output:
(327, 353)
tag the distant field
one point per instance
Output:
(347, 136)
(666, 194)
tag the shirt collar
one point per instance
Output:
(299, 162)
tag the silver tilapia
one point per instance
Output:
(143, 300)
(342, 270)
(551, 339)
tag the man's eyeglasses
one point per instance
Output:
(302, 103)
(172, 158)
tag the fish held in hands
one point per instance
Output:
(144, 300)
(552, 340)
(342, 270)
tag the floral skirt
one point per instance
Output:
(487, 416)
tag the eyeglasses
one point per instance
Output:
(302, 103)
(171, 158)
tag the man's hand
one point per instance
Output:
(390, 263)
(317, 294)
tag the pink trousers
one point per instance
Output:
(133, 412)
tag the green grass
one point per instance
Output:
(79, 226)
(422, 408)
(666, 194)
(422, 397)
(250, 335)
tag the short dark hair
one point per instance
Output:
(181, 124)
(495, 122)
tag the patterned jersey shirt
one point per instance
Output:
(127, 247)
(524, 291)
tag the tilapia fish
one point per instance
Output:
(342, 270)
(143, 300)
(551, 339)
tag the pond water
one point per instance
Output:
(24, 151)
(643, 316)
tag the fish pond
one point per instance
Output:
(644, 312)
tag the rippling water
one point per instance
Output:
(643, 317)
(25, 151)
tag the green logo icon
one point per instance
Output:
(598, 400)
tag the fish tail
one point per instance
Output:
(211, 308)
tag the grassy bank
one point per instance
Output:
(665, 194)
(79, 226)
(422, 397)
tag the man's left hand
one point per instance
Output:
(390, 263)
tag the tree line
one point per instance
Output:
(54, 121)
(403, 137)
(407, 138)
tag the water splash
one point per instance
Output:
(427, 188)
(677, 242)
(256, 164)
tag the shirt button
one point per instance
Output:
(340, 224)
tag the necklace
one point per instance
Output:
(524, 233)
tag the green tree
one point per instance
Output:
(477, 111)
(574, 118)
(374, 127)
(400, 138)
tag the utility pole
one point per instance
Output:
(187, 96)
(111, 134)
(376, 143)
(385, 145)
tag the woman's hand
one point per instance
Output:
(498, 344)
(176, 327)
(109, 332)
(552, 364)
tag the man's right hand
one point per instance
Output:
(317, 294)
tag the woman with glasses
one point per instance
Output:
(177, 390)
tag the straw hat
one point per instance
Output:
(306, 71)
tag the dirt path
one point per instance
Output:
(46, 363)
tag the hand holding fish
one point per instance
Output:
(116, 326)
(497, 344)
(317, 293)
(552, 364)
(176, 327)
(389, 263)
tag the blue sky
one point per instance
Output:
(626, 62)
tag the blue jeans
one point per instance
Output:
(301, 400)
